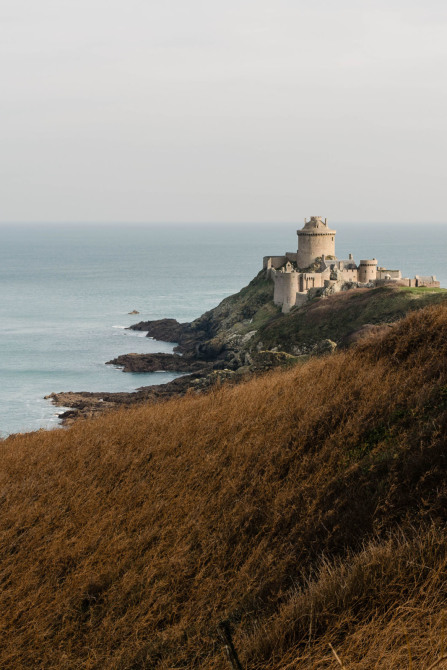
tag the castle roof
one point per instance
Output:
(317, 225)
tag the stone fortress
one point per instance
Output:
(315, 269)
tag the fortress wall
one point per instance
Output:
(396, 282)
(350, 274)
(314, 245)
(291, 256)
(382, 273)
(309, 280)
(273, 262)
(417, 282)
(429, 282)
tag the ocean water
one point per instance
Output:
(66, 291)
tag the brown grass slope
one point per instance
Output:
(307, 506)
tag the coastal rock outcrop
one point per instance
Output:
(164, 330)
(85, 404)
(157, 363)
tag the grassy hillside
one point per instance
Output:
(339, 316)
(307, 506)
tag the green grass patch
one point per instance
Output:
(422, 290)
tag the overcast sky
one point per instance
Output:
(235, 110)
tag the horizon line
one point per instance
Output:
(212, 223)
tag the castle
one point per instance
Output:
(315, 269)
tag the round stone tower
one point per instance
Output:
(316, 239)
(367, 271)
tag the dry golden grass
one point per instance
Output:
(307, 506)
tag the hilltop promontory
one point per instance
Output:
(247, 334)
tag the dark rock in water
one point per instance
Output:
(158, 362)
(165, 330)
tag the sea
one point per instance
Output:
(66, 292)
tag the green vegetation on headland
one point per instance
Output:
(307, 507)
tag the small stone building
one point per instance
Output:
(315, 269)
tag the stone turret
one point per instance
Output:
(367, 271)
(316, 239)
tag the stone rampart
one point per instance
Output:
(428, 282)
(274, 262)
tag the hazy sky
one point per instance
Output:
(235, 110)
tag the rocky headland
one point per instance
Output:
(247, 334)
